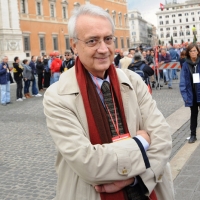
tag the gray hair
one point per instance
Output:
(137, 56)
(3, 57)
(88, 9)
(125, 53)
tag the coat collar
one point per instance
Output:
(69, 85)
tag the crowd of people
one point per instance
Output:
(38, 73)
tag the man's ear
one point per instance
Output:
(73, 46)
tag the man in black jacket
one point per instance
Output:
(17, 71)
(68, 63)
(141, 65)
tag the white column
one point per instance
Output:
(14, 14)
(4, 15)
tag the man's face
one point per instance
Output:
(67, 56)
(144, 54)
(34, 59)
(98, 58)
(163, 51)
(132, 52)
(5, 60)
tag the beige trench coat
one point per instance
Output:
(81, 165)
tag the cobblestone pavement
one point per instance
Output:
(27, 153)
(187, 184)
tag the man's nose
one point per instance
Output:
(102, 47)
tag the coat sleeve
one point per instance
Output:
(95, 164)
(182, 84)
(156, 126)
(2, 70)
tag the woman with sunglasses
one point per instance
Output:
(190, 86)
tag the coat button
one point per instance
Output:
(160, 177)
(124, 171)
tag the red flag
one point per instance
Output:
(161, 6)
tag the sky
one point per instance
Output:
(148, 8)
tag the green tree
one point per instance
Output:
(172, 41)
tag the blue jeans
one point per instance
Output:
(56, 76)
(34, 88)
(168, 76)
(5, 93)
(26, 86)
(174, 75)
(51, 80)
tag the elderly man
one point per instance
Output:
(125, 61)
(5, 81)
(103, 119)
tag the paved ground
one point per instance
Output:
(27, 153)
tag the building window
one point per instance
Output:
(193, 19)
(42, 43)
(179, 15)
(161, 22)
(174, 21)
(187, 32)
(120, 19)
(114, 18)
(55, 43)
(175, 34)
(27, 43)
(186, 14)
(168, 35)
(125, 20)
(192, 13)
(167, 16)
(132, 15)
(161, 35)
(175, 41)
(122, 42)
(167, 22)
(64, 12)
(128, 42)
(116, 42)
(174, 28)
(39, 8)
(23, 6)
(160, 17)
(52, 10)
(173, 15)
(67, 42)
(77, 5)
(188, 40)
(180, 20)
(199, 13)
(168, 29)
(161, 29)
(181, 33)
(186, 19)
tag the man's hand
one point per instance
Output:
(113, 187)
(162, 62)
(4, 66)
(145, 135)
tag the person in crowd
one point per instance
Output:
(40, 72)
(174, 58)
(5, 81)
(52, 57)
(150, 60)
(28, 77)
(132, 52)
(125, 61)
(140, 64)
(32, 64)
(55, 68)
(164, 57)
(62, 58)
(118, 58)
(18, 76)
(68, 63)
(92, 109)
(182, 58)
(144, 55)
(190, 86)
(47, 73)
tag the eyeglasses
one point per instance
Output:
(193, 51)
(94, 41)
(67, 55)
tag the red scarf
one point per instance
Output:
(95, 138)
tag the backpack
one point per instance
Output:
(139, 71)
